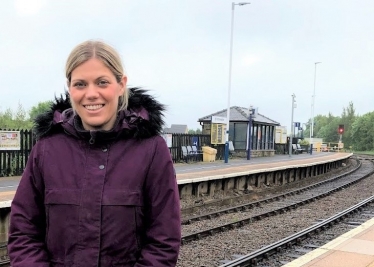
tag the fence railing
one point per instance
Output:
(179, 140)
(13, 162)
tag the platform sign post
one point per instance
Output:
(252, 115)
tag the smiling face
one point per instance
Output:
(94, 94)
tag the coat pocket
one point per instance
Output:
(62, 197)
(62, 208)
(123, 219)
(122, 198)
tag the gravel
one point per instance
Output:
(211, 250)
(257, 194)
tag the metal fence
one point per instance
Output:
(179, 140)
(12, 162)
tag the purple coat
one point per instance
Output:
(91, 199)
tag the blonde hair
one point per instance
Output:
(105, 53)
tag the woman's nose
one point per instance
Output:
(92, 91)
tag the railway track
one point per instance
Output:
(192, 208)
(277, 204)
(245, 207)
(266, 253)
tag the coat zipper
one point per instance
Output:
(93, 137)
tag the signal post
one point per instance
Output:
(340, 132)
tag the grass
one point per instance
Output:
(364, 152)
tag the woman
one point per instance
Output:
(99, 188)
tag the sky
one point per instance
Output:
(180, 51)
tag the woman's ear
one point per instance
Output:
(123, 84)
(68, 84)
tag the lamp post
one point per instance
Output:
(292, 126)
(252, 114)
(313, 98)
(229, 90)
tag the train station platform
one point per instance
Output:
(195, 172)
(352, 249)
(205, 171)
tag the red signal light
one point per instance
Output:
(341, 129)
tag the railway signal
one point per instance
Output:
(341, 129)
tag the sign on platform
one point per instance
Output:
(10, 140)
(281, 134)
(168, 139)
(218, 133)
(195, 141)
(216, 119)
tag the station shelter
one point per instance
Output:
(262, 131)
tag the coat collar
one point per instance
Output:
(142, 119)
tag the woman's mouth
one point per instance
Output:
(93, 107)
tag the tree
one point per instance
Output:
(191, 131)
(6, 119)
(303, 142)
(20, 115)
(348, 118)
(328, 131)
(40, 108)
(197, 131)
(319, 122)
(362, 132)
(14, 120)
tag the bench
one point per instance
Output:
(296, 150)
(300, 148)
(231, 149)
(187, 153)
(198, 153)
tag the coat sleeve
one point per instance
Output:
(26, 246)
(162, 213)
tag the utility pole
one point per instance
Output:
(292, 125)
(229, 90)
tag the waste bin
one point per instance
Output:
(209, 154)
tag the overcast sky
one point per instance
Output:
(180, 51)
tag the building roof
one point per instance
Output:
(239, 114)
(177, 129)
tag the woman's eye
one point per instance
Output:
(79, 85)
(103, 83)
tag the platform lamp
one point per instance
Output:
(292, 125)
(229, 90)
(313, 98)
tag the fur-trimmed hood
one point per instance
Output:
(142, 119)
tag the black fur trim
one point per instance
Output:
(44, 124)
